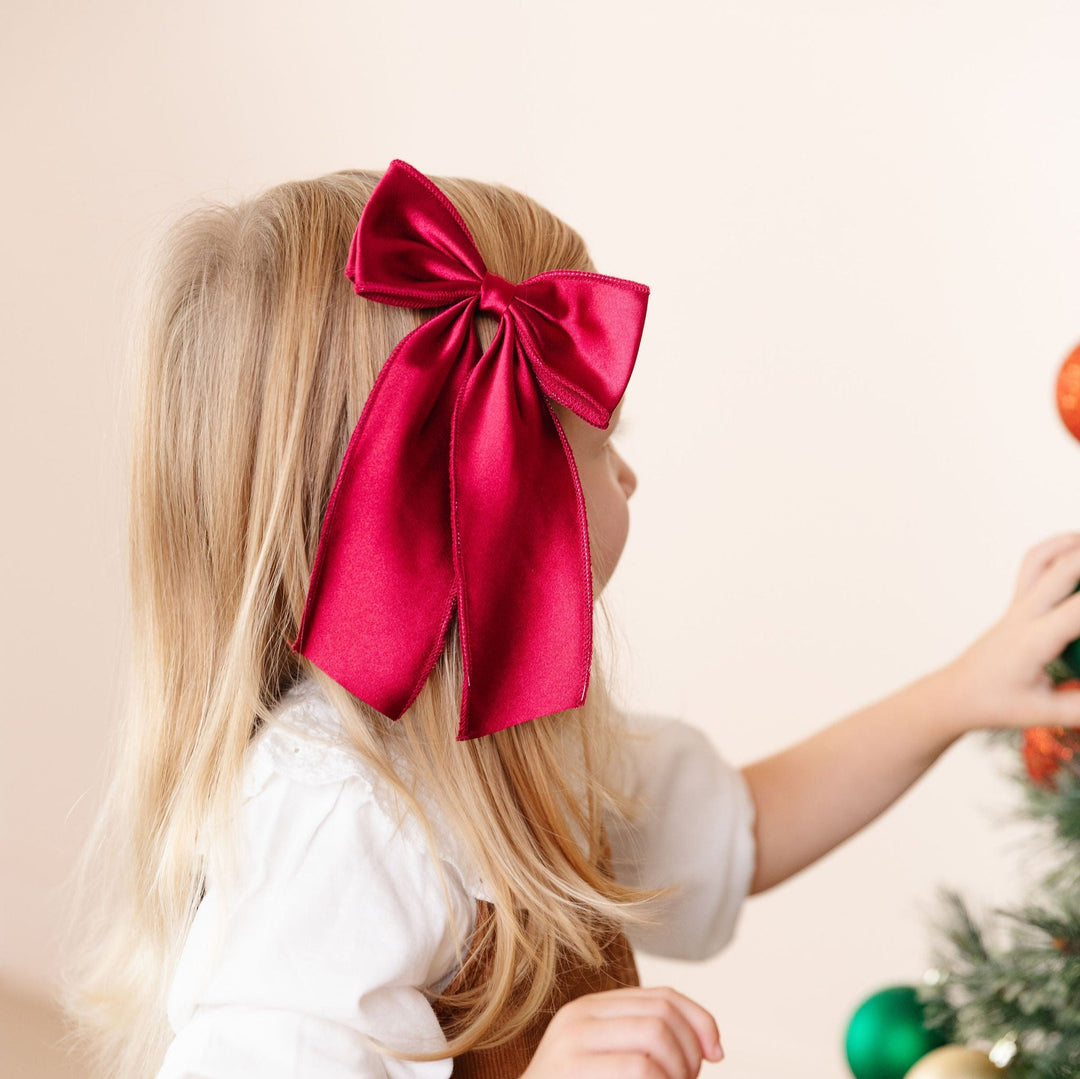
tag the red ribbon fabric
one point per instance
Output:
(458, 488)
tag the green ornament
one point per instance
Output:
(886, 1035)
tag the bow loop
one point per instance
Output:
(411, 247)
(458, 490)
(581, 332)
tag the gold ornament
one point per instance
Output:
(955, 1062)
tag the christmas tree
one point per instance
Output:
(1004, 996)
(1012, 981)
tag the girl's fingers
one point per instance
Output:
(643, 1010)
(689, 1017)
(1057, 578)
(1062, 709)
(1040, 556)
(1060, 625)
(648, 1035)
(628, 1033)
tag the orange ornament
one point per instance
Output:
(1048, 749)
(1068, 392)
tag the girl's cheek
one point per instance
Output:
(616, 527)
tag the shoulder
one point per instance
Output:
(303, 754)
(662, 752)
(333, 899)
(694, 831)
(304, 740)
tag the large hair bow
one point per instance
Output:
(458, 488)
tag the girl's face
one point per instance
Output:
(607, 482)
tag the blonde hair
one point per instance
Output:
(253, 366)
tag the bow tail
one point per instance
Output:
(521, 549)
(382, 589)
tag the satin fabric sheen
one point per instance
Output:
(458, 490)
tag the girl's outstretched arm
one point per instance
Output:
(814, 795)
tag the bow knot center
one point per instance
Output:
(495, 294)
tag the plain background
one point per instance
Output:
(860, 225)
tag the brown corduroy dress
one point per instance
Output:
(509, 1060)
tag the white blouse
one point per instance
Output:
(336, 920)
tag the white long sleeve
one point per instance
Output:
(337, 921)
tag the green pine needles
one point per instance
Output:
(1015, 977)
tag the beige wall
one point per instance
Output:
(860, 223)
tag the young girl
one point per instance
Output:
(370, 815)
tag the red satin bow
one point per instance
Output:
(458, 486)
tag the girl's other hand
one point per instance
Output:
(627, 1034)
(1000, 680)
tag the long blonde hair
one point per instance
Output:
(253, 366)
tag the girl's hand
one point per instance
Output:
(1000, 681)
(627, 1034)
